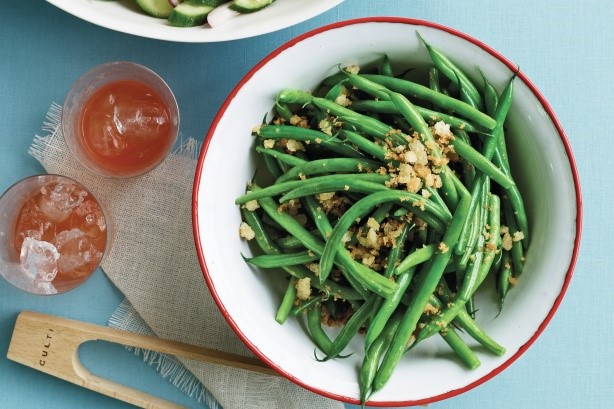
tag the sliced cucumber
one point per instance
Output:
(156, 8)
(189, 13)
(212, 3)
(249, 6)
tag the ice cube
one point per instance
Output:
(88, 217)
(78, 253)
(32, 223)
(14, 274)
(39, 260)
(139, 120)
(58, 201)
(104, 137)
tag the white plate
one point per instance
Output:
(126, 16)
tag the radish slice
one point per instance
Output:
(174, 2)
(221, 14)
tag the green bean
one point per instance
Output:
(436, 225)
(491, 97)
(487, 252)
(324, 227)
(387, 107)
(360, 209)
(351, 327)
(501, 160)
(480, 162)
(493, 242)
(490, 145)
(479, 222)
(363, 123)
(468, 238)
(468, 90)
(284, 157)
(318, 216)
(416, 257)
(504, 277)
(461, 349)
(318, 138)
(388, 307)
(434, 196)
(491, 101)
(261, 237)
(373, 355)
(345, 185)
(283, 111)
(314, 324)
(468, 324)
(282, 260)
(460, 188)
(272, 166)
(276, 189)
(365, 145)
(423, 290)
(517, 250)
(515, 199)
(332, 165)
(359, 274)
(369, 278)
(305, 305)
(287, 301)
(468, 170)
(335, 91)
(372, 88)
(268, 247)
(412, 89)
(386, 66)
(434, 82)
(382, 212)
(478, 270)
(385, 308)
(290, 242)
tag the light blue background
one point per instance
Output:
(564, 47)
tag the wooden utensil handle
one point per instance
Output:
(170, 347)
(50, 344)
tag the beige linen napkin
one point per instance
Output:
(153, 262)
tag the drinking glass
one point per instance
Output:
(120, 119)
(53, 234)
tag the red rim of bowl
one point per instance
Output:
(521, 76)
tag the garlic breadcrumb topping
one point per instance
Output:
(251, 205)
(518, 236)
(246, 232)
(353, 69)
(303, 288)
(294, 146)
(299, 121)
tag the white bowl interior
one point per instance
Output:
(125, 16)
(250, 297)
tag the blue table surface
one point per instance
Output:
(565, 48)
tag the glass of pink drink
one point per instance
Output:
(53, 234)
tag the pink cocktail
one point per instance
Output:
(53, 232)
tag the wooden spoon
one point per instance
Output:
(50, 344)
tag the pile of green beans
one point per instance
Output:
(333, 157)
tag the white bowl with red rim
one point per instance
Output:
(543, 167)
